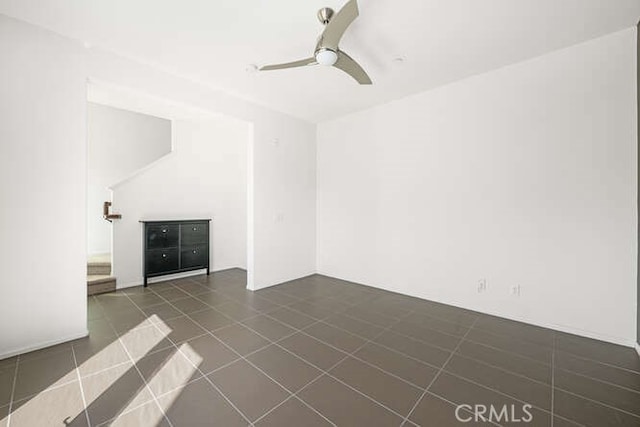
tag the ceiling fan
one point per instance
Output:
(327, 52)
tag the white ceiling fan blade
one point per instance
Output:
(339, 23)
(294, 64)
(351, 67)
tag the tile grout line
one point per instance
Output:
(512, 353)
(204, 374)
(553, 415)
(408, 336)
(265, 313)
(475, 314)
(206, 378)
(201, 376)
(13, 390)
(420, 326)
(165, 393)
(351, 354)
(373, 324)
(475, 359)
(116, 365)
(444, 399)
(276, 343)
(146, 384)
(84, 400)
(502, 393)
(291, 394)
(46, 390)
(570, 421)
(175, 346)
(238, 322)
(395, 321)
(367, 341)
(297, 300)
(470, 327)
(553, 348)
(135, 366)
(499, 368)
(101, 371)
(486, 387)
(326, 372)
(539, 362)
(440, 371)
(453, 336)
(390, 349)
(383, 345)
(507, 336)
(233, 321)
(606, 405)
(530, 342)
(599, 362)
(415, 359)
(598, 380)
(271, 342)
(297, 331)
(517, 399)
(553, 378)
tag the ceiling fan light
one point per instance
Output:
(326, 57)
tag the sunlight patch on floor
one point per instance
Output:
(171, 375)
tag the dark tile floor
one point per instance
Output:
(315, 351)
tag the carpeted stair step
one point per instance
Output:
(99, 284)
(99, 268)
(99, 265)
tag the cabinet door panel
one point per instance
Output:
(162, 260)
(194, 233)
(194, 256)
(162, 236)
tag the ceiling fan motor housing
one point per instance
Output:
(326, 56)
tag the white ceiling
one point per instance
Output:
(440, 40)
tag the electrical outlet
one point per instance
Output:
(515, 290)
(482, 285)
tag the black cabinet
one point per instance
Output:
(175, 246)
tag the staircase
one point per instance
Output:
(99, 279)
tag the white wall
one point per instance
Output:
(284, 197)
(521, 176)
(120, 142)
(43, 131)
(43, 171)
(205, 177)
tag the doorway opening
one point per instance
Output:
(155, 159)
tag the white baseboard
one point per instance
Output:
(40, 346)
(638, 349)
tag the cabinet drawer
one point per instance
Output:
(194, 256)
(162, 236)
(162, 260)
(194, 233)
